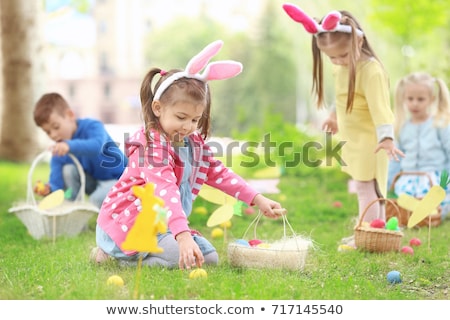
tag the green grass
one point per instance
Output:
(42, 270)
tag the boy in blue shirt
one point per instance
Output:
(87, 139)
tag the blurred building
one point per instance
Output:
(96, 60)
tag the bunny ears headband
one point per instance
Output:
(214, 71)
(331, 22)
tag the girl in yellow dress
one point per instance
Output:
(362, 111)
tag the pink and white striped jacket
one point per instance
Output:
(157, 162)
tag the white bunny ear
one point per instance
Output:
(222, 70)
(199, 61)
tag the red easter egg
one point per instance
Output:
(254, 242)
(407, 250)
(378, 223)
(337, 204)
(415, 242)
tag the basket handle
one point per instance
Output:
(409, 173)
(281, 212)
(371, 203)
(30, 194)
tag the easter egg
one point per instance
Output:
(200, 210)
(345, 247)
(378, 223)
(415, 242)
(254, 242)
(249, 210)
(217, 233)
(242, 242)
(226, 224)
(198, 273)
(40, 187)
(263, 245)
(337, 204)
(407, 250)
(115, 280)
(392, 224)
(394, 277)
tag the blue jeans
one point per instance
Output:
(96, 189)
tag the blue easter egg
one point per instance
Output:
(243, 242)
(394, 277)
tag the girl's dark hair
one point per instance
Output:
(196, 90)
(326, 37)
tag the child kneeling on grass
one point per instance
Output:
(171, 153)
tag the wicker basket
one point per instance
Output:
(68, 219)
(377, 239)
(288, 253)
(403, 214)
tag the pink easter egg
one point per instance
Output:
(254, 242)
(415, 242)
(407, 250)
(249, 210)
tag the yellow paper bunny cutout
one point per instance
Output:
(143, 235)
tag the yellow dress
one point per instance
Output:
(371, 108)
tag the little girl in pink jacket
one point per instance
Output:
(170, 152)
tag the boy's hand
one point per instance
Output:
(41, 189)
(60, 148)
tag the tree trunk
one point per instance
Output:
(20, 43)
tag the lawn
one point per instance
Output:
(43, 270)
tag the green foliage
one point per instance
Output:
(409, 20)
(444, 181)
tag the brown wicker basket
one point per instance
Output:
(376, 239)
(403, 214)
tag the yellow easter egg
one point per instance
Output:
(200, 210)
(263, 245)
(198, 273)
(115, 280)
(226, 224)
(345, 247)
(217, 233)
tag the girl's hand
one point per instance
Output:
(330, 124)
(41, 189)
(392, 151)
(267, 205)
(190, 253)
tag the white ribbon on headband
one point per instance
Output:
(331, 22)
(214, 71)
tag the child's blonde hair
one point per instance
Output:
(331, 37)
(441, 113)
